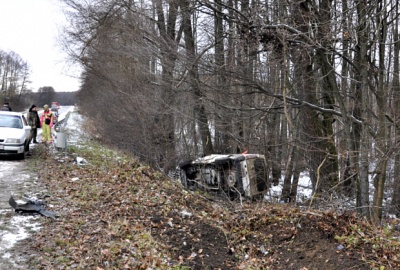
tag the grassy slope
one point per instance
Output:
(116, 213)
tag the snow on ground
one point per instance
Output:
(19, 227)
(15, 179)
(304, 190)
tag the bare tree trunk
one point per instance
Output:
(349, 156)
(223, 126)
(381, 139)
(165, 120)
(298, 167)
(287, 183)
(328, 89)
(361, 104)
(201, 115)
(396, 100)
(306, 85)
(272, 141)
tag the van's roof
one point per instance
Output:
(212, 158)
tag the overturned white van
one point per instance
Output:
(236, 174)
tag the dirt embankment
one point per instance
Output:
(119, 214)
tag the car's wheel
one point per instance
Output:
(23, 154)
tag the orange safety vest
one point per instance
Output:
(46, 115)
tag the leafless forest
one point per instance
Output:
(313, 85)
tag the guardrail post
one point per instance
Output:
(61, 140)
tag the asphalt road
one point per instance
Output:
(18, 180)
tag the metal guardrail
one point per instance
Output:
(61, 124)
(61, 136)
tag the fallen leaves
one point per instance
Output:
(120, 214)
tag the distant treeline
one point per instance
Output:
(24, 101)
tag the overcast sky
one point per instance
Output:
(30, 29)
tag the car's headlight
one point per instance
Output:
(11, 140)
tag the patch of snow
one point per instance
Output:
(185, 213)
(18, 229)
(80, 161)
(304, 189)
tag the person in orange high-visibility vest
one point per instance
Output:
(46, 122)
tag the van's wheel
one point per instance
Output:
(231, 178)
(229, 184)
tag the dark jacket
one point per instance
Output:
(33, 119)
(6, 108)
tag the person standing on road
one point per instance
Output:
(6, 107)
(46, 122)
(34, 122)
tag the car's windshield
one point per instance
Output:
(10, 121)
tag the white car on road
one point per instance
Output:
(14, 134)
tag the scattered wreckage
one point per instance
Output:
(237, 174)
(32, 206)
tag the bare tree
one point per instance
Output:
(396, 111)
(303, 82)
